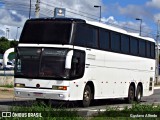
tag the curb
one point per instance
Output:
(6, 89)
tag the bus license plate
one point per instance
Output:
(38, 94)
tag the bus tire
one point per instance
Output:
(138, 94)
(131, 94)
(87, 96)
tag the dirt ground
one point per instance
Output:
(6, 94)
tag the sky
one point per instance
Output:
(120, 13)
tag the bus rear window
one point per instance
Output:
(46, 32)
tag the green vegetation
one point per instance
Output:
(42, 112)
(6, 44)
(47, 112)
(136, 112)
(7, 86)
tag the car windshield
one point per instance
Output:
(46, 32)
(41, 63)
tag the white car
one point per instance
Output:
(9, 66)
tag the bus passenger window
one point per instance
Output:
(115, 41)
(134, 46)
(85, 36)
(103, 39)
(124, 44)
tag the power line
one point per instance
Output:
(70, 9)
(20, 7)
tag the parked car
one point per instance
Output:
(9, 66)
(1, 66)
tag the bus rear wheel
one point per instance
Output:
(87, 96)
(131, 94)
(138, 94)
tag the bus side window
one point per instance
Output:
(78, 64)
(142, 48)
(153, 50)
(115, 42)
(86, 36)
(148, 49)
(125, 44)
(134, 46)
(103, 39)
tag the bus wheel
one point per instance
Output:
(87, 96)
(131, 94)
(138, 94)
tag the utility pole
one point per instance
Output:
(37, 9)
(7, 33)
(17, 33)
(98, 6)
(157, 63)
(140, 33)
(30, 9)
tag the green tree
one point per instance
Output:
(4, 44)
(13, 43)
(2, 39)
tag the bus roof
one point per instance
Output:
(94, 23)
(116, 29)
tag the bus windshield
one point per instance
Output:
(41, 63)
(46, 32)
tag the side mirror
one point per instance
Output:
(69, 59)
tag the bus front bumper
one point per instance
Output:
(40, 93)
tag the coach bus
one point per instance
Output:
(68, 59)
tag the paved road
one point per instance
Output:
(6, 73)
(6, 104)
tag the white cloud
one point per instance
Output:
(14, 14)
(133, 27)
(135, 11)
(157, 17)
(153, 3)
(81, 9)
(11, 19)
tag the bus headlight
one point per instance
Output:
(19, 85)
(59, 87)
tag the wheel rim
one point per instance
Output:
(139, 96)
(86, 96)
(131, 94)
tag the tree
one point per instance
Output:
(13, 43)
(2, 39)
(4, 44)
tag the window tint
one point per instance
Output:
(134, 46)
(46, 32)
(115, 41)
(124, 44)
(142, 48)
(148, 49)
(152, 50)
(85, 36)
(103, 39)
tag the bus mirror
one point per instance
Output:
(69, 59)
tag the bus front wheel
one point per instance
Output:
(87, 96)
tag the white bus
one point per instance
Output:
(77, 60)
